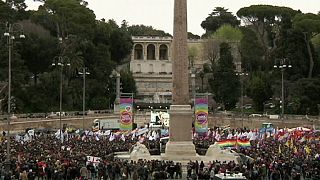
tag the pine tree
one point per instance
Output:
(225, 84)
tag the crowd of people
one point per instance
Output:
(282, 154)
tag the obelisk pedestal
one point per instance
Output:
(180, 145)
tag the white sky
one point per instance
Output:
(159, 13)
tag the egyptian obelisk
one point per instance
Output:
(180, 144)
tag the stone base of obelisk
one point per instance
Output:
(180, 151)
(180, 145)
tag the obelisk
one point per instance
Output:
(180, 145)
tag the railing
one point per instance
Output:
(56, 114)
(69, 114)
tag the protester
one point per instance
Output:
(281, 154)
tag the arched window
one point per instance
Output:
(151, 52)
(163, 52)
(138, 52)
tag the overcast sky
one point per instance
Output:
(159, 13)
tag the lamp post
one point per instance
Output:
(61, 61)
(83, 73)
(242, 74)
(11, 31)
(282, 65)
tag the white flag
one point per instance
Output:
(123, 138)
(26, 138)
(57, 134)
(31, 132)
(107, 133)
(111, 138)
(17, 138)
(133, 136)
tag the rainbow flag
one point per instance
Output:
(201, 115)
(227, 143)
(243, 143)
(126, 114)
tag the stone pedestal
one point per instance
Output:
(140, 151)
(116, 106)
(180, 144)
(214, 153)
(180, 151)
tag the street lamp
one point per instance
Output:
(242, 74)
(61, 61)
(11, 31)
(282, 65)
(83, 73)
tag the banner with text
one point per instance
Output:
(201, 115)
(126, 118)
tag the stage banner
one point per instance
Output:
(126, 118)
(201, 115)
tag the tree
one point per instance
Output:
(259, 90)
(316, 44)
(251, 51)
(40, 61)
(19, 7)
(309, 25)
(142, 30)
(63, 18)
(291, 46)
(225, 84)
(192, 55)
(220, 16)
(228, 33)
(193, 36)
(71, 48)
(6, 12)
(86, 42)
(116, 40)
(265, 20)
(128, 82)
(38, 48)
(211, 50)
(305, 93)
(121, 45)
(17, 4)
(231, 35)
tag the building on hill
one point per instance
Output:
(151, 66)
